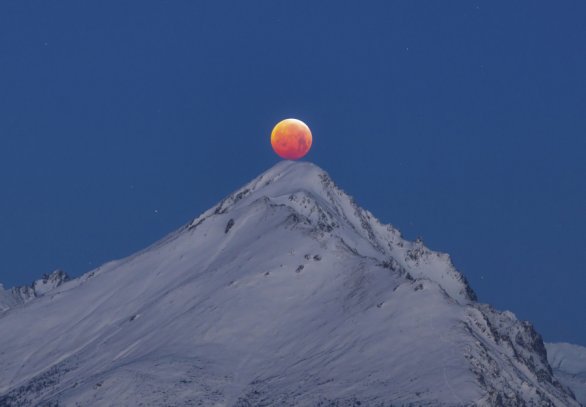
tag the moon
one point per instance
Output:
(291, 139)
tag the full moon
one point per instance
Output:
(291, 139)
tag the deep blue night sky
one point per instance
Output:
(462, 122)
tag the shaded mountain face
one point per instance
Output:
(286, 293)
(569, 366)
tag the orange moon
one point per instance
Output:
(291, 139)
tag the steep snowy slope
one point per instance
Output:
(284, 294)
(569, 366)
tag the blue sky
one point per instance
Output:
(461, 122)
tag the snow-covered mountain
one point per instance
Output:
(20, 295)
(569, 366)
(284, 294)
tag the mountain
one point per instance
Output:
(20, 295)
(569, 366)
(284, 294)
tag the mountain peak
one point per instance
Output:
(285, 293)
(283, 179)
(300, 169)
(313, 198)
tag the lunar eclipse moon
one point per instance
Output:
(291, 139)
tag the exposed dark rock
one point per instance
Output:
(229, 225)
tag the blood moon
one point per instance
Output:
(291, 139)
